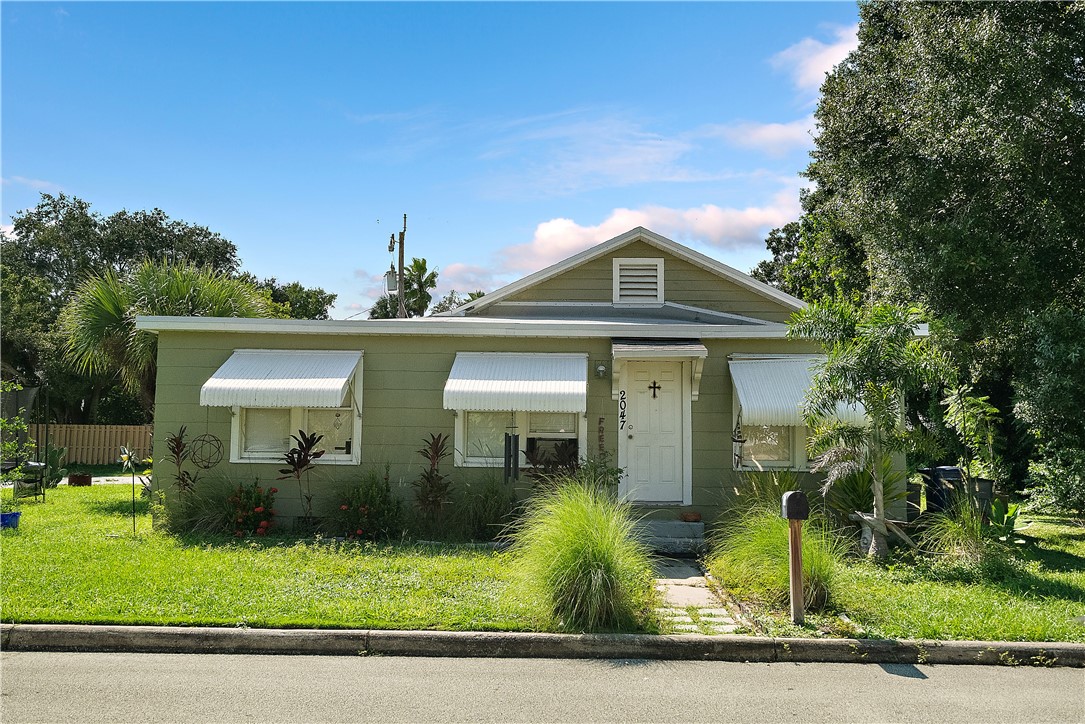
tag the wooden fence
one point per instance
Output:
(95, 444)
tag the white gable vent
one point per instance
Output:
(638, 281)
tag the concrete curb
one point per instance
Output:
(359, 642)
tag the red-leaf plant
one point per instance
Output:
(300, 459)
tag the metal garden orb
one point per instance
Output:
(206, 451)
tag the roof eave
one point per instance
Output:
(458, 327)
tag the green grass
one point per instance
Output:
(1028, 591)
(575, 548)
(74, 559)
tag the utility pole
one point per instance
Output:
(391, 247)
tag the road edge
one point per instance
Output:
(474, 644)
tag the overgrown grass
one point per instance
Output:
(575, 548)
(1030, 590)
(750, 558)
(74, 559)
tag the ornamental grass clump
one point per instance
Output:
(575, 548)
(750, 557)
(958, 532)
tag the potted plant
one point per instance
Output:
(79, 477)
(9, 515)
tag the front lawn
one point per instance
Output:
(1032, 592)
(74, 559)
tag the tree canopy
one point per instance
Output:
(418, 282)
(947, 171)
(100, 321)
(60, 243)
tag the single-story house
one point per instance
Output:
(639, 348)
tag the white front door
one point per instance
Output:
(651, 442)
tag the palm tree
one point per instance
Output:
(417, 283)
(873, 359)
(100, 321)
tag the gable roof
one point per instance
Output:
(638, 234)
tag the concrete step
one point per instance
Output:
(672, 536)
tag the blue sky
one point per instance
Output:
(512, 135)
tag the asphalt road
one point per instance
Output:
(57, 687)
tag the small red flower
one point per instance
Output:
(261, 531)
(274, 490)
(264, 524)
(258, 509)
(358, 532)
(344, 507)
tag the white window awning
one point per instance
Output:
(506, 381)
(771, 390)
(282, 378)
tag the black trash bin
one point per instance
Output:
(942, 482)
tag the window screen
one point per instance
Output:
(267, 431)
(337, 427)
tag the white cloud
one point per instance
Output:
(465, 278)
(576, 151)
(723, 227)
(36, 184)
(808, 60)
(7, 229)
(775, 139)
(372, 284)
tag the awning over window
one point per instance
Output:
(498, 381)
(771, 390)
(282, 378)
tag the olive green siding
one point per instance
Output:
(402, 385)
(683, 283)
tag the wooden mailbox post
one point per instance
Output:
(795, 508)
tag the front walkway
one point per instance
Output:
(688, 604)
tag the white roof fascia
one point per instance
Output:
(281, 378)
(459, 327)
(517, 382)
(660, 242)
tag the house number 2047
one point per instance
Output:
(621, 409)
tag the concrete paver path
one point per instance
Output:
(689, 605)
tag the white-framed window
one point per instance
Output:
(480, 436)
(263, 434)
(769, 447)
(638, 281)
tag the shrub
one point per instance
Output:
(1058, 480)
(486, 508)
(368, 510)
(855, 492)
(750, 557)
(575, 548)
(252, 508)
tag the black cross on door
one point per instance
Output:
(654, 387)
